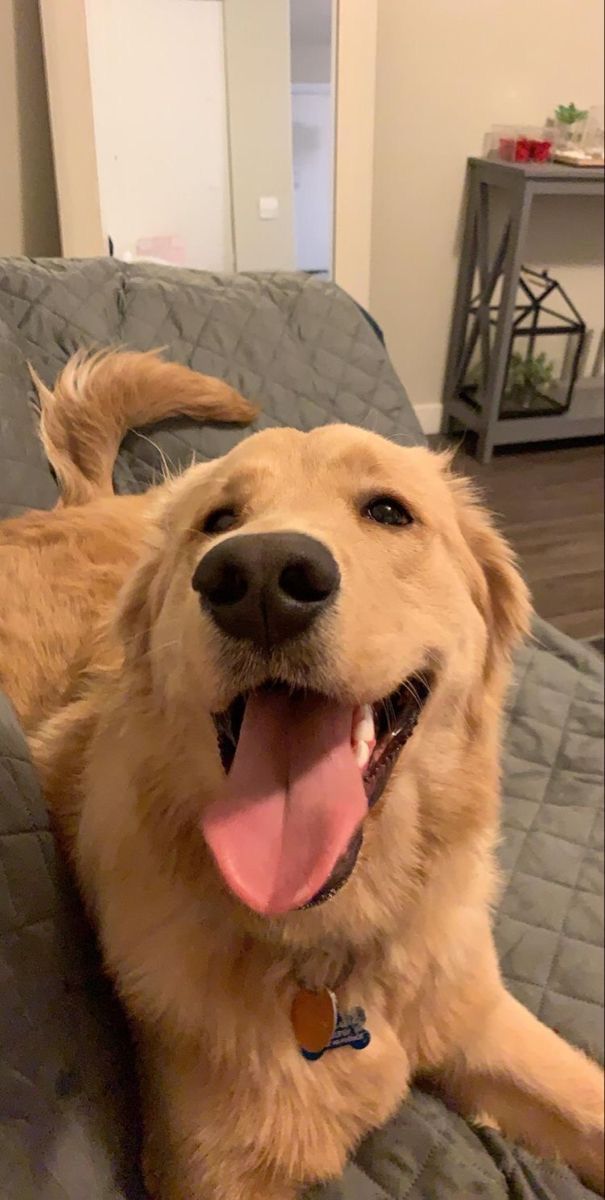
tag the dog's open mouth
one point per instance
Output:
(302, 771)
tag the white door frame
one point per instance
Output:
(65, 40)
(356, 24)
(354, 49)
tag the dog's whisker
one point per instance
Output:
(159, 649)
(424, 679)
(389, 713)
(169, 471)
(143, 632)
(410, 688)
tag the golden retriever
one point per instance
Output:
(264, 700)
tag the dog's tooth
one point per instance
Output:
(365, 730)
(362, 755)
(363, 726)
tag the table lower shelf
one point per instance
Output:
(519, 431)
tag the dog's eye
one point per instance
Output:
(385, 510)
(221, 520)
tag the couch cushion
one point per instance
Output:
(297, 346)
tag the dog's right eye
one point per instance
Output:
(220, 521)
(386, 510)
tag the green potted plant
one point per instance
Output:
(527, 379)
(570, 125)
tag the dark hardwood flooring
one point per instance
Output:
(549, 503)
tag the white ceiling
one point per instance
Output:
(311, 21)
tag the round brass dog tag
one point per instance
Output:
(314, 1017)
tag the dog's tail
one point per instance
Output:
(98, 397)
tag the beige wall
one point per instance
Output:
(445, 73)
(257, 52)
(28, 209)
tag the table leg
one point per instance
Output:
(521, 199)
(466, 274)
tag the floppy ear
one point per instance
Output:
(498, 589)
(137, 606)
(138, 602)
(143, 593)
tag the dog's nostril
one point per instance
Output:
(307, 582)
(228, 588)
(304, 582)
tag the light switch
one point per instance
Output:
(268, 208)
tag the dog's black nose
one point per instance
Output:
(267, 587)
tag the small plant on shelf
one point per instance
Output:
(528, 378)
(540, 375)
(568, 114)
(570, 121)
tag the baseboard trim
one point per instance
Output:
(429, 416)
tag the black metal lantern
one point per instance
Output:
(545, 351)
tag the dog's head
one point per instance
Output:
(345, 611)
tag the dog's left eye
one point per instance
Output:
(385, 510)
(220, 521)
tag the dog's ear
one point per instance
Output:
(138, 602)
(143, 594)
(136, 607)
(498, 589)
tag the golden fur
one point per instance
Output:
(115, 672)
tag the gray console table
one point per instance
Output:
(520, 183)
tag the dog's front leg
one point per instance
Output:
(191, 1175)
(538, 1089)
(202, 1139)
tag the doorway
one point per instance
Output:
(312, 33)
(203, 174)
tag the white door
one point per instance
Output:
(159, 104)
(187, 36)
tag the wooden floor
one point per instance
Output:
(549, 503)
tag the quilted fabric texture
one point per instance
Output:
(550, 923)
(68, 1112)
(298, 347)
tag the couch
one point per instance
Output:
(303, 350)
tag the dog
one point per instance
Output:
(264, 701)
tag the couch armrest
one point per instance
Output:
(68, 1125)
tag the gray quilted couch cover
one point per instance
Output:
(68, 1110)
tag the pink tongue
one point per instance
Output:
(294, 799)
